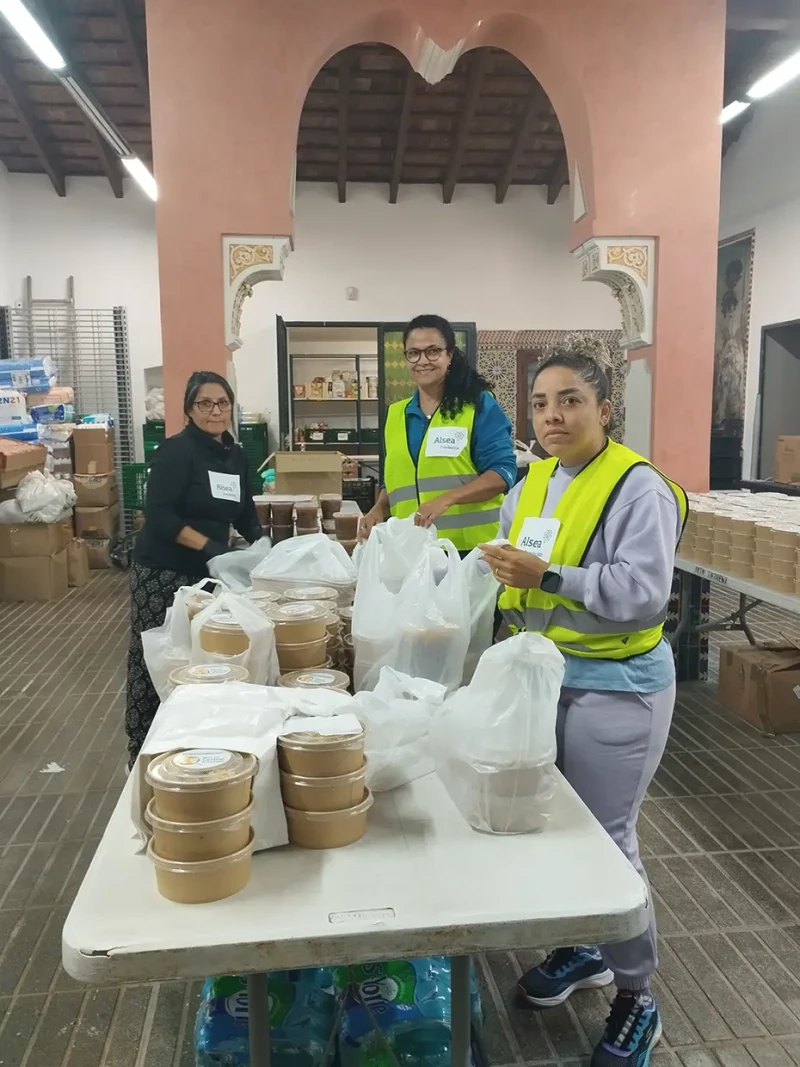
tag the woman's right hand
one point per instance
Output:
(366, 522)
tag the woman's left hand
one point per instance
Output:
(513, 567)
(431, 510)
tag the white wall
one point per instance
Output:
(4, 235)
(502, 266)
(761, 190)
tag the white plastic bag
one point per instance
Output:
(483, 589)
(309, 560)
(422, 630)
(169, 646)
(11, 514)
(234, 568)
(399, 545)
(397, 717)
(494, 742)
(43, 498)
(261, 658)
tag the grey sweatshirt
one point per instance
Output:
(626, 575)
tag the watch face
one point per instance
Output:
(551, 581)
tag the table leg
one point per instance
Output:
(460, 1014)
(258, 1007)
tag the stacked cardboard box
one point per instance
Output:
(33, 561)
(787, 460)
(17, 458)
(761, 686)
(97, 511)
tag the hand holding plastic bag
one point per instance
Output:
(235, 568)
(494, 742)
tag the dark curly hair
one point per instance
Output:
(463, 384)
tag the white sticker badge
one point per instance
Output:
(225, 486)
(446, 441)
(538, 536)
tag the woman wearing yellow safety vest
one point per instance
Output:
(593, 532)
(449, 454)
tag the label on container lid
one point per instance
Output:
(311, 592)
(203, 759)
(299, 611)
(203, 671)
(200, 769)
(321, 678)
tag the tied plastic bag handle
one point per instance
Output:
(180, 634)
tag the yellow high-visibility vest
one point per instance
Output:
(581, 509)
(408, 486)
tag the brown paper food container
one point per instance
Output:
(204, 881)
(201, 785)
(192, 842)
(324, 794)
(304, 656)
(332, 829)
(321, 755)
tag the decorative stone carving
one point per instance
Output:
(626, 265)
(246, 262)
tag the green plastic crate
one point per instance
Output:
(134, 485)
(254, 439)
(154, 430)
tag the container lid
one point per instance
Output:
(304, 737)
(200, 770)
(209, 674)
(311, 592)
(199, 866)
(315, 680)
(260, 596)
(297, 612)
(230, 822)
(222, 622)
(330, 496)
(330, 816)
(346, 613)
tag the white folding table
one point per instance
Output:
(420, 883)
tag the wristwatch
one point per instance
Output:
(551, 580)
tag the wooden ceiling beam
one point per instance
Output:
(559, 176)
(138, 53)
(343, 92)
(776, 15)
(51, 15)
(479, 67)
(517, 148)
(402, 135)
(30, 125)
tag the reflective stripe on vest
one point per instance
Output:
(580, 511)
(408, 486)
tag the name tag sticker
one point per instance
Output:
(538, 536)
(226, 486)
(446, 441)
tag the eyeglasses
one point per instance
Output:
(414, 355)
(207, 406)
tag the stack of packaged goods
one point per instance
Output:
(97, 514)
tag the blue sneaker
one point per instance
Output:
(633, 1030)
(564, 971)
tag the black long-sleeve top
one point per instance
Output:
(182, 491)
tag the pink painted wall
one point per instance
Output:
(637, 87)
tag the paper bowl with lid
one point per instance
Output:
(201, 784)
(196, 841)
(298, 623)
(324, 794)
(303, 655)
(202, 881)
(315, 680)
(316, 755)
(317, 593)
(328, 829)
(209, 674)
(222, 635)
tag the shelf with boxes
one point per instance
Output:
(334, 400)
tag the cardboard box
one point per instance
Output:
(98, 551)
(34, 578)
(20, 455)
(787, 460)
(31, 539)
(97, 522)
(93, 449)
(96, 490)
(77, 563)
(762, 685)
(10, 479)
(307, 473)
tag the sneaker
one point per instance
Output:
(632, 1032)
(564, 971)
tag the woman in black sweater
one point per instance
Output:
(197, 489)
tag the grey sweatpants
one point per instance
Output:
(609, 747)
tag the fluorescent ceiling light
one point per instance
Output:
(733, 109)
(777, 78)
(32, 33)
(140, 174)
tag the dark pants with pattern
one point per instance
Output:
(152, 592)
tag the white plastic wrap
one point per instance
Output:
(11, 514)
(399, 545)
(397, 717)
(169, 646)
(43, 498)
(483, 590)
(309, 560)
(494, 742)
(261, 658)
(234, 568)
(423, 629)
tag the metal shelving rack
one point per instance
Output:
(90, 353)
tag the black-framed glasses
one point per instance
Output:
(434, 352)
(207, 406)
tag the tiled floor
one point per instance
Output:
(720, 830)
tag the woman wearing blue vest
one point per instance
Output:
(593, 533)
(449, 454)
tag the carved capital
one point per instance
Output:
(627, 266)
(246, 262)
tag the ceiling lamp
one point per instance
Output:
(776, 79)
(141, 175)
(736, 107)
(32, 34)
